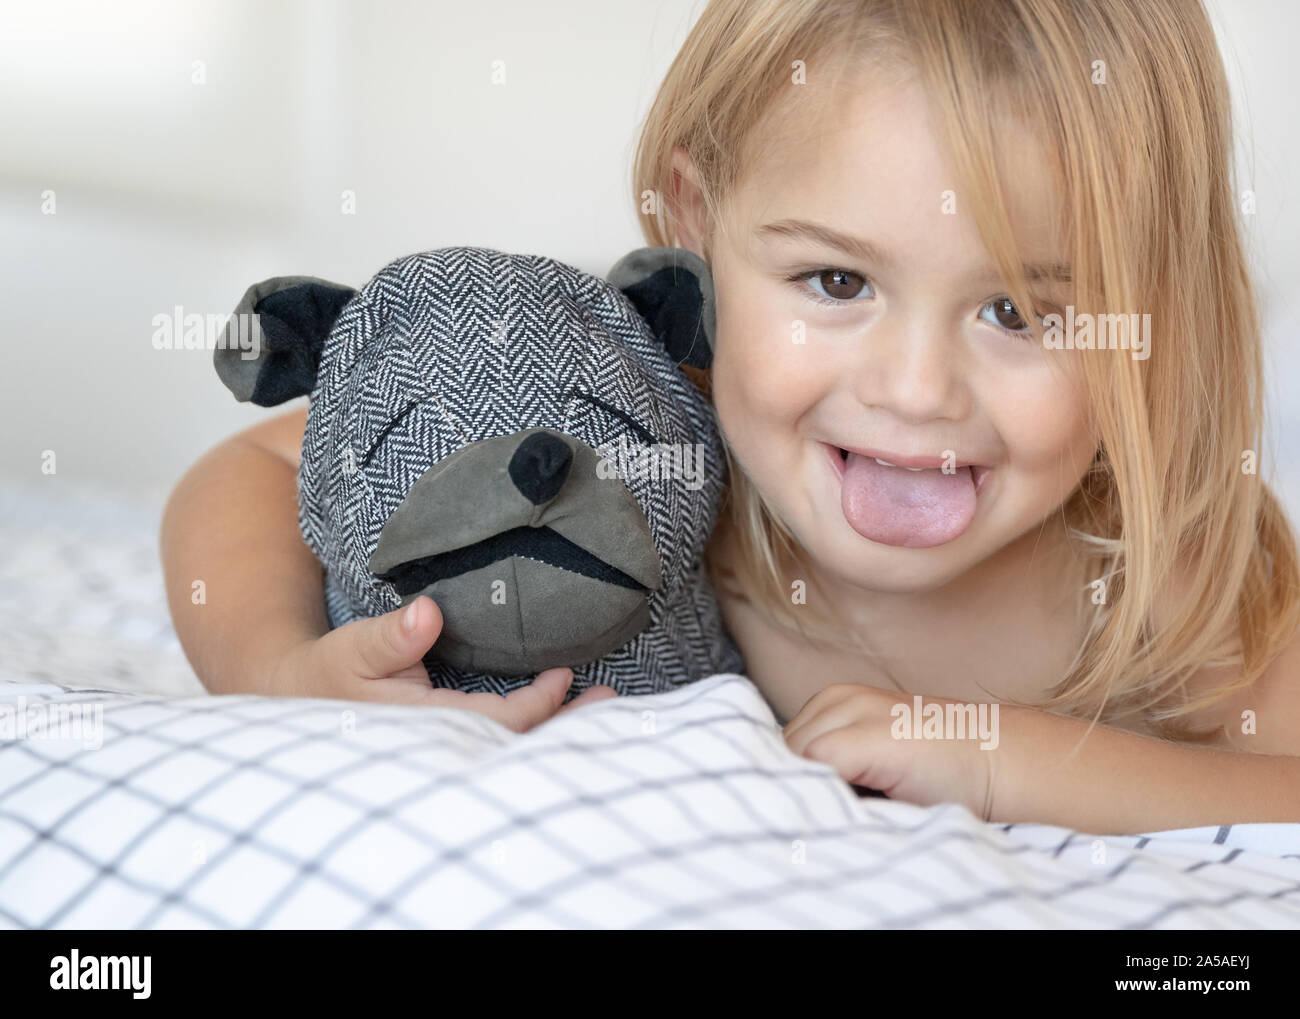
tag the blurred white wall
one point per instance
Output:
(194, 146)
(171, 192)
(1257, 38)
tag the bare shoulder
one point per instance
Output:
(1263, 717)
(281, 435)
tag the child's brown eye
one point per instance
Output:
(840, 283)
(837, 284)
(1007, 315)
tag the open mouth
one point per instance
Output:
(978, 472)
(907, 501)
(539, 543)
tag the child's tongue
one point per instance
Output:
(914, 509)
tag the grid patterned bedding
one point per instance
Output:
(684, 809)
(170, 809)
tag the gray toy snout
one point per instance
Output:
(536, 555)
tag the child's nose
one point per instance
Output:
(913, 368)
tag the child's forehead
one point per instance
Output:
(880, 170)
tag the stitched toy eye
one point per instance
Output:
(378, 440)
(641, 432)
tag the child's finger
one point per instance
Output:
(387, 644)
(535, 703)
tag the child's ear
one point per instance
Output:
(272, 346)
(672, 288)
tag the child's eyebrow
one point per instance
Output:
(865, 250)
(802, 229)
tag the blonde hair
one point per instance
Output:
(1166, 509)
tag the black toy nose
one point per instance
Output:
(539, 467)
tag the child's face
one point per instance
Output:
(905, 354)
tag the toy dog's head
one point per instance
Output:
(516, 439)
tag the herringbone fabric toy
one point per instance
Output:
(516, 438)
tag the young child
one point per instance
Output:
(989, 372)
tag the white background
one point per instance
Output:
(172, 193)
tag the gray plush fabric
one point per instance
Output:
(432, 375)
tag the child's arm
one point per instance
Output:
(1116, 782)
(247, 595)
(1122, 783)
(242, 586)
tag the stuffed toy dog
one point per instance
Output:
(516, 439)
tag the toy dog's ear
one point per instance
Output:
(672, 288)
(273, 343)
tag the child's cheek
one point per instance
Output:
(742, 393)
(1042, 419)
(765, 372)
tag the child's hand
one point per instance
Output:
(849, 726)
(379, 660)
